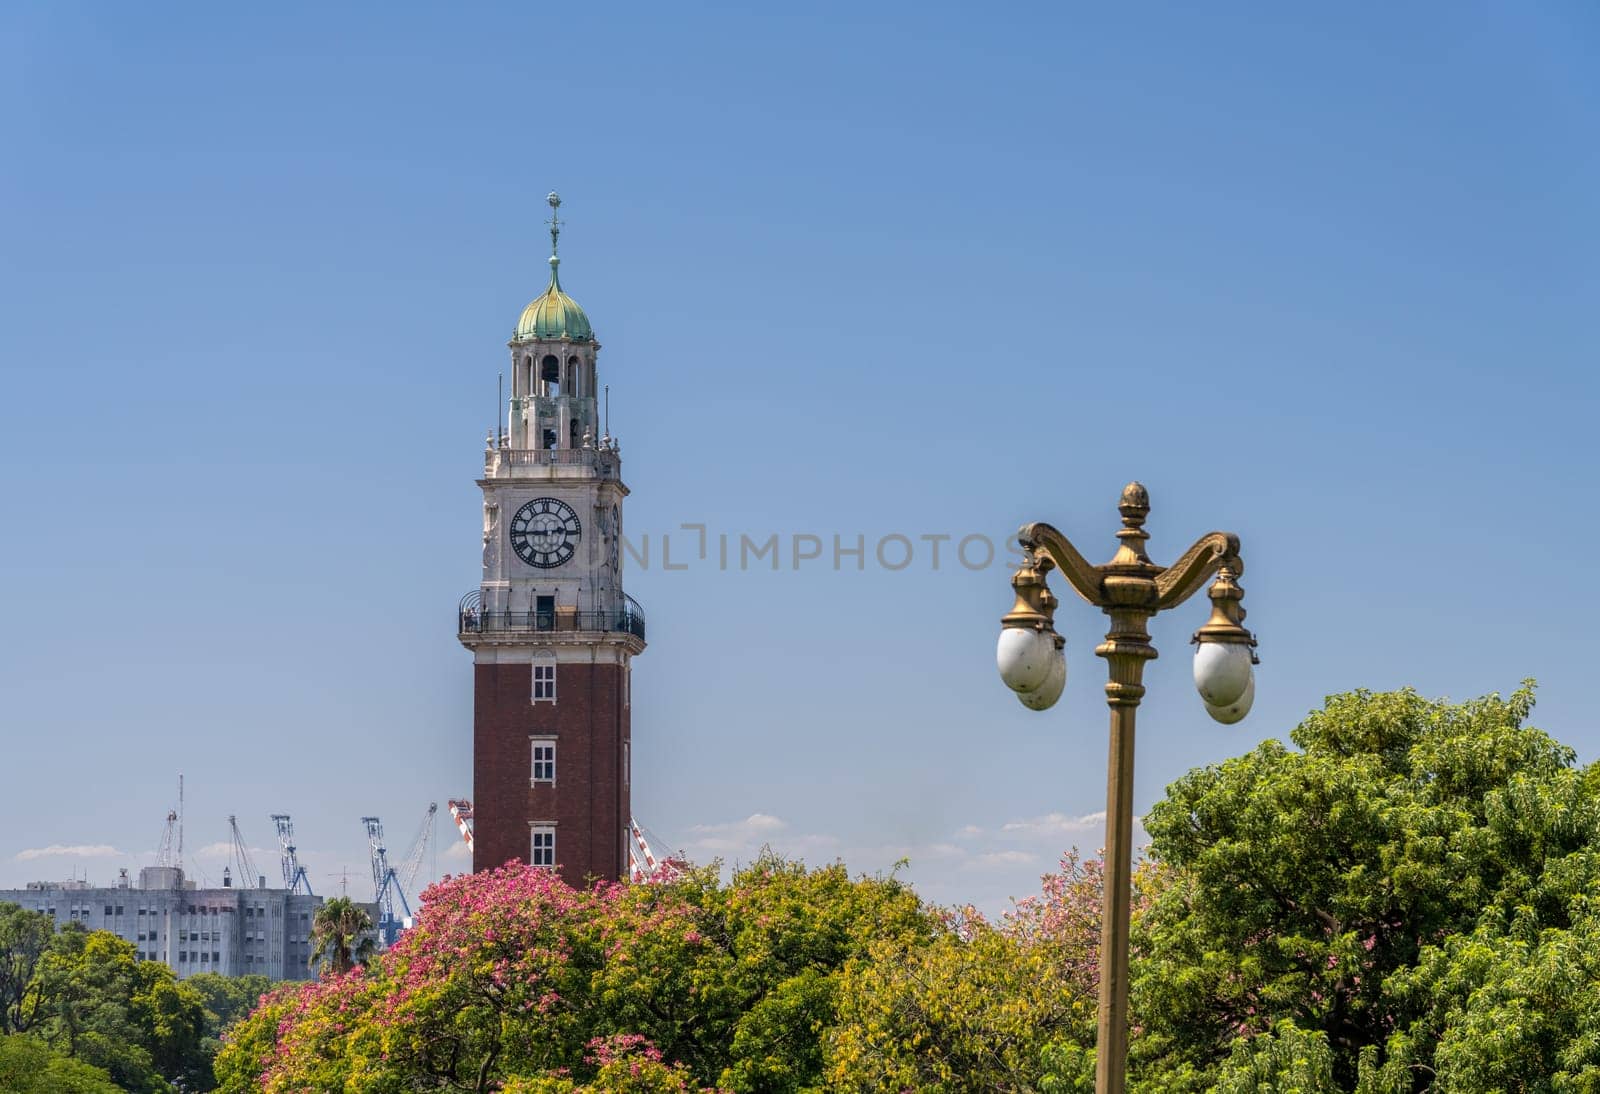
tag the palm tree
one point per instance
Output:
(343, 935)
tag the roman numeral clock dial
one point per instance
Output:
(545, 533)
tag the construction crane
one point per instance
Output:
(643, 867)
(419, 849)
(169, 838)
(461, 812)
(241, 857)
(171, 852)
(385, 884)
(294, 874)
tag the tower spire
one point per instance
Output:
(555, 238)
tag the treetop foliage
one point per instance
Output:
(80, 1011)
(1407, 900)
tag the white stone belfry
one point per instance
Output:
(552, 485)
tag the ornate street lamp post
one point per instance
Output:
(1129, 589)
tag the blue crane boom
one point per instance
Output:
(294, 874)
(385, 883)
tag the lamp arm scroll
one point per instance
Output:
(1083, 577)
(1184, 577)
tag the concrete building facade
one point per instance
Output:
(232, 931)
(550, 629)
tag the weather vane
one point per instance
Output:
(555, 225)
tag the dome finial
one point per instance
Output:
(554, 315)
(555, 225)
(554, 200)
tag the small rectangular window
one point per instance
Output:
(544, 761)
(544, 845)
(544, 680)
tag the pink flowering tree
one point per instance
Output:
(511, 979)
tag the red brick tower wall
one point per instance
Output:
(589, 802)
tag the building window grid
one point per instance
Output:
(544, 761)
(544, 846)
(544, 680)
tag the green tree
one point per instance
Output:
(342, 933)
(27, 1066)
(1003, 1006)
(1316, 883)
(1284, 1060)
(973, 1010)
(104, 1006)
(24, 937)
(225, 1000)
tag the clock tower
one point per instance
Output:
(551, 632)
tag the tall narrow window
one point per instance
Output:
(544, 679)
(544, 845)
(544, 760)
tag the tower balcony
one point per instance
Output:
(552, 463)
(475, 625)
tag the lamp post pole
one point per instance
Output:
(1129, 589)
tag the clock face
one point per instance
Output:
(545, 532)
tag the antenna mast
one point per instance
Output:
(180, 820)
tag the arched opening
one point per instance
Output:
(523, 384)
(575, 375)
(572, 434)
(550, 376)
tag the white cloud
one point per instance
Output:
(222, 850)
(1006, 858)
(1056, 824)
(76, 850)
(741, 835)
(458, 849)
(755, 822)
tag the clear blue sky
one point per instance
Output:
(1329, 281)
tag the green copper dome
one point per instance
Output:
(555, 315)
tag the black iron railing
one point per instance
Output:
(471, 619)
